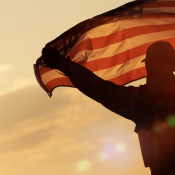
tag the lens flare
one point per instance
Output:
(171, 120)
(101, 156)
(84, 165)
(164, 125)
(158, 127)
(120, 147)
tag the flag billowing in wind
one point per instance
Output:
(113, 44)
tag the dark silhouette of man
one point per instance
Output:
(150, 106)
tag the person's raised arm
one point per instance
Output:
(119, 99)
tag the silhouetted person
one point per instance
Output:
(150, 106)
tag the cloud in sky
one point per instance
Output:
(36, 119)
(10, 81)
(5, 67)
(36, 129)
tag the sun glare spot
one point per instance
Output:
(164, 125)
(171, 120)
(158, 127)
(101, 156)
(84, 165)
(120, 147)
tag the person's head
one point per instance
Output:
(160, 59)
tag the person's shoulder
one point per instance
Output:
(143, 88)
(141, 91)
(144, 92)
(137, 87)
(132, 89)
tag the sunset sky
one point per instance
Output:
(69, 134)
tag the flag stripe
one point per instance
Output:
(167, 9)
(118, 70)
(44, 70)
(164, 0)
(64, 81)
(157, 15)
(112, 69)
(53, 73)
(123, 57)
(114, 49)
(130, 76)
(160, 4)
(159, 10)
(118, 37)
(86, 43)
(111, 29)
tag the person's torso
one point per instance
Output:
(155, 120)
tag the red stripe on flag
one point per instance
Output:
(160, 4)
(123, 79)
(105, 63)
(121, 58)
(98, 43)
(65, 81)
(130, 76)
(157, 15)
(44, 70)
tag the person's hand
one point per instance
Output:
(51, 57)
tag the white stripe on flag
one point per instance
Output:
(114, 50)
(111, 28)
(50, 75)
(111, 50)
(121, 69)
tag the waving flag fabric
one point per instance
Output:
(113, 44)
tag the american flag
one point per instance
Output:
(113, 44)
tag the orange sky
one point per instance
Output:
(68, 134)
